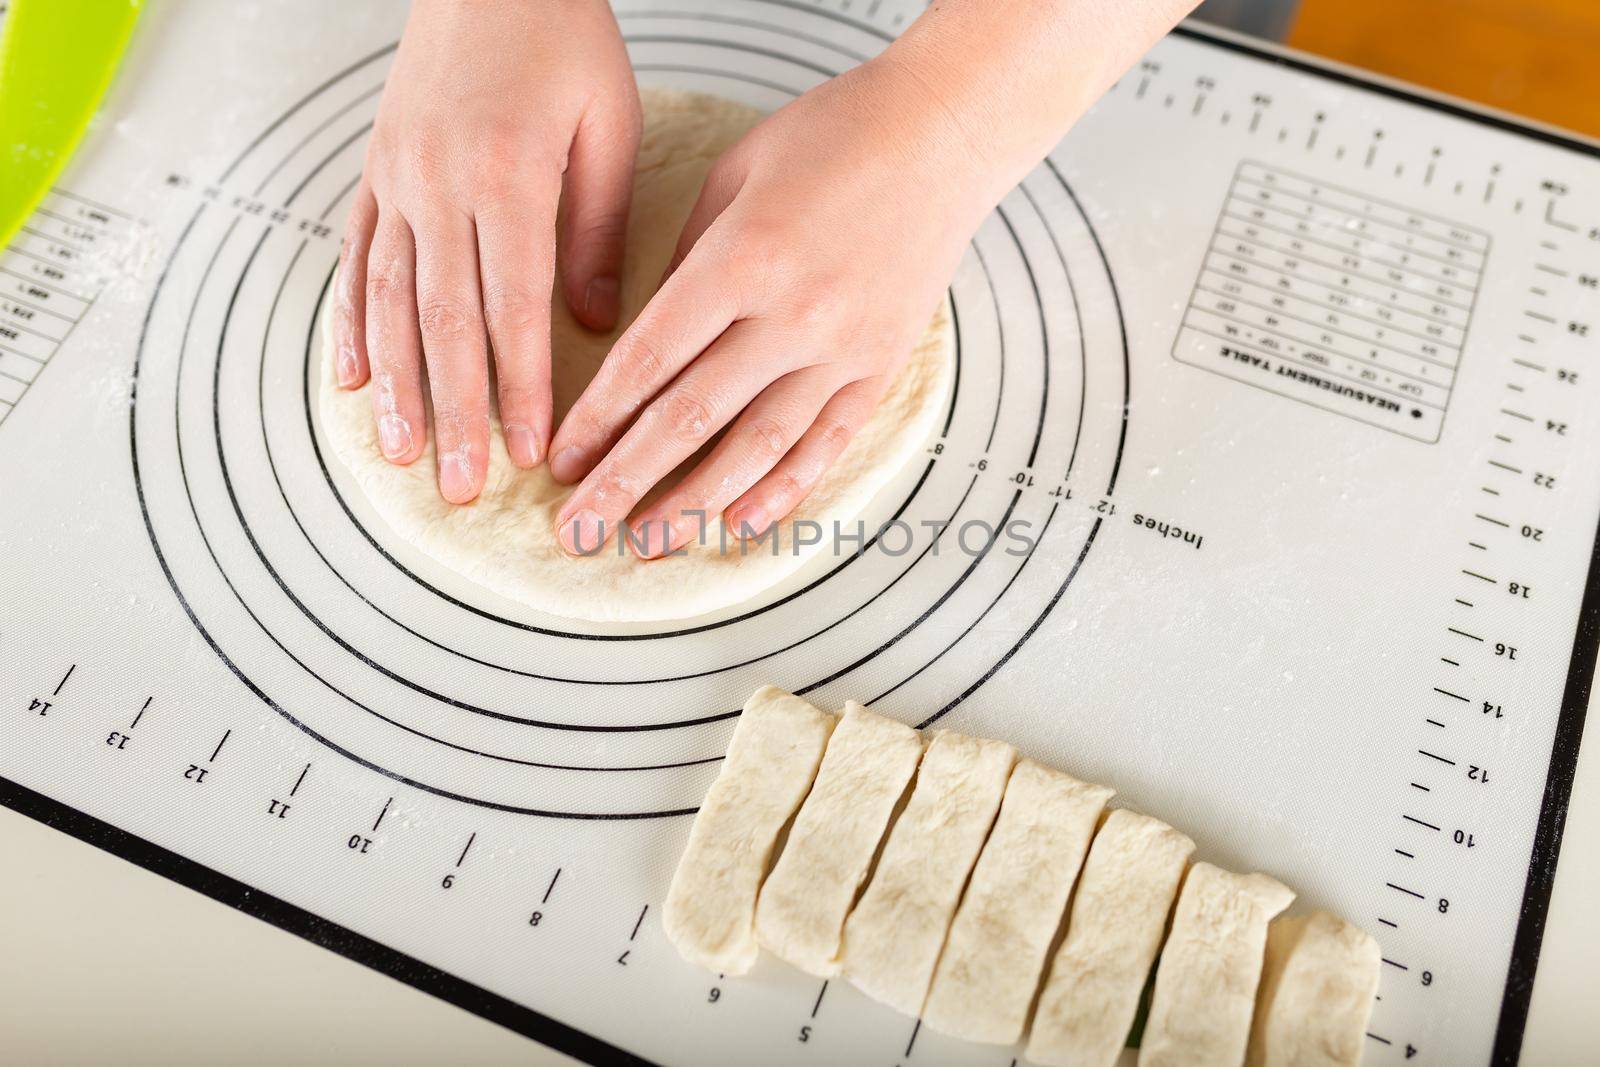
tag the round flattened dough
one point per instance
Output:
(506, 539)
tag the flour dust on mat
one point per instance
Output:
(506, 539)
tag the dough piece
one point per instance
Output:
(506, 540)
(1118, 917)
(1206, 985)
(1317, 988)
(800, 916)
(989, 970)
(773, 756)
(893, 937)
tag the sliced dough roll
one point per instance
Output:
(772, 758)
(1118, 916)
(800, 915)
(893, 937)
(1206, 985)
(989, 969)
(1317, 987)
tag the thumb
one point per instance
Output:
(722, 184)
(599, 187)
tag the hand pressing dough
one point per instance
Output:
(1317, 988)
(506, 539)
(1210, 968)
(772, 758)
(989, 969)
(800, 915)
(1119, 915)
(893, 937)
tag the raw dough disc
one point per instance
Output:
(506, 540)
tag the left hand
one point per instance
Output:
(818, 251)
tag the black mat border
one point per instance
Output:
(1460, 109)
(1552, 821)
(319, 931)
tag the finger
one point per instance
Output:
(688, 313)
(350, 291)
(394, 348)
(599, 189)
(794, 476)
(455, 347)
(722, 184)
(753, 445)
(700, 402)
(516, 259)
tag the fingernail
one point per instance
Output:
(567, 465)
(523, 445)
(749, 521)
(455, 477)
(651, 538)
(347, 367)
(394, 436)
(602, 300)
(583, 533)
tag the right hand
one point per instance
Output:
(449, 252)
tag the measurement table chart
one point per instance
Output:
(49, 279)
(1336, 299)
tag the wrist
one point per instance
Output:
(1010, 77)
(942, 148)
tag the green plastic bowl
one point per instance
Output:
(57, 58)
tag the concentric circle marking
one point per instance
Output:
(249, 524)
